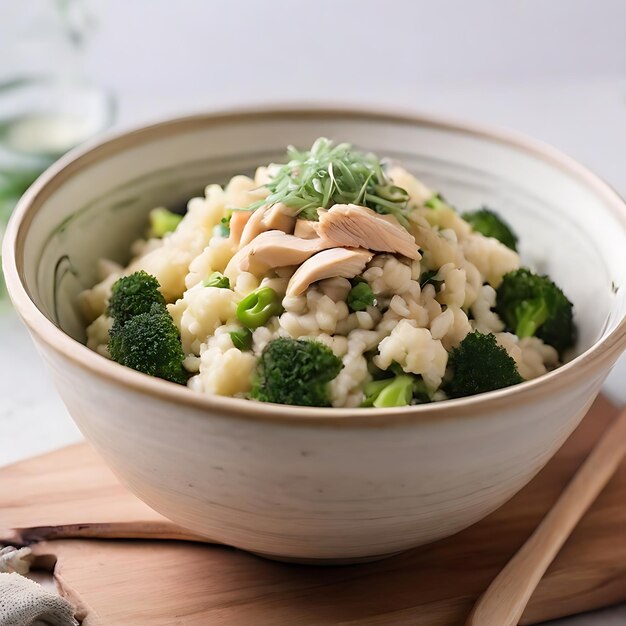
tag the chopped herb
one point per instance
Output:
(429, 277)
(329, 174)
(436, 201)
(242, 339)
(216, 279)
(163, 222)
(223, 228)
(360, 297)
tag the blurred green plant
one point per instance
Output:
(48, 105)
(12, 187)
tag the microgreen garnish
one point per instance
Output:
(429, 277)
(329, 174)
(223, 228)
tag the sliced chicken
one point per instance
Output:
(306, 229)
(238, 222)
(342, 262)
(265, 218)
(271, 249)
(357, 226)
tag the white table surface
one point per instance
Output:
(586, 118)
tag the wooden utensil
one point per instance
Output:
(505, 599)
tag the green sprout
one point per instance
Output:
(217, 279)
(329, 174)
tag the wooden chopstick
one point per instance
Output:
(505, 599)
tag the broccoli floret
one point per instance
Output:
(144, 336)
(396, 391)
(360, 297)
(421, 393)
(293, 371)
(490, 224)
(162, 222)
(401, 390)
(133, 295)
(478, 364)
(530, 304)
(397, 388)
(149, 343)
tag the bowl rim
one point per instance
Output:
(604, 351)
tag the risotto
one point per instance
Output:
(332, 280)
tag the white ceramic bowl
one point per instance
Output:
(303, 483)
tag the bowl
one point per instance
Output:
(307, 484)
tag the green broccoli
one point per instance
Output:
(293, 371)
(421, 393)
(530, 304)
(149, 343)
(360, 296)
(144, 336)
(395, 388)
(401, 390)
(478, 364)
(132, 295)
(490, 224)
(162, 222)
(396, 391)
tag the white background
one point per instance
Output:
(555, 69)
(390, 50)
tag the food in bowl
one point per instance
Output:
(296, 482)
(332, 280)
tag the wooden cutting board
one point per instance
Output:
(70, 493)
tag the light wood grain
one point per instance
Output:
(181, 583)
(70, 493)
(506, 598)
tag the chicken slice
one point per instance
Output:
(271, 249)
(341, 262)
(357, 226)
(238, 222)
(306, 229)
(265, 218)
